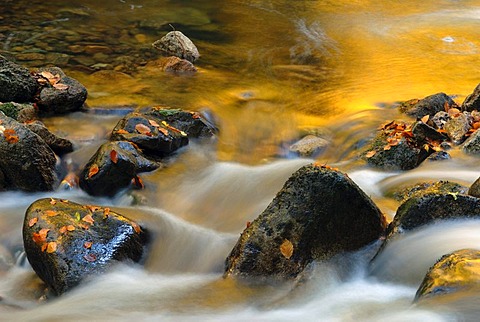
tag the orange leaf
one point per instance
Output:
(114, 156)
(44, 247)
(93, 170)
(41, 236)
(32, 221)
(137, 182)
(387, 147)
(136, 227)
(164, 131)
(476, 125)
(51, 247)
(50, 213)
(453, 112)
(93, 208)
(143, 129)
(88, 219)
(90, 257)
(106, 212)
(60, 86)
(370, 154)
(47, 75)
(64, 229)
(87, 245)
(286, 248)
(153, 123)
(425, 118)
(53, 201)
(195, 115)
(122, 131)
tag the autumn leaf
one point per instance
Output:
(88, 219)
(195, 115)
(370, 154)
(77, 216)
(137, 182)
(476, 125)
(64, 200)
(32, 221)
(453, 112)
(51, 247)
(286, 248)
(143, 129)
(122, 131)
(87, 245)
(50, 213)
(248, 224)
(153, 123)
(446, 106)
(64, 229)
(60, 86)
(114, 156)
(93, 208)
(53, 201)
(164, 131)
(387, 147)
(106, 212)
(41, 236)
(425, 118)
(47, 75)
(90, 257)
(93, 170)
(136, 227)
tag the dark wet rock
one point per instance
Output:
(113, 167)
(317, 214)
(26, 161)
(472, 144)
(453, 273)
(429, 208)
(16, 83)
(429, 105)
(19, 112)
(149, 134)
(439, 156)
(175, 43)
(67, 243)
(472, 101)
(177, 65)
(59, 145)
(420, 189)
(67, 95)
(309, 146)
(423, 132)
(474, 190)
(457, 127)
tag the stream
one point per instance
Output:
(269, 72)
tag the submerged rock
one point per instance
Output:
(59, 94)
(19, 112)
(317, 214)
(59, 145)
(455, 272)
(66, 243)
(177, 65)
(113, 167)
(472, 101)
(175, 43)
(309, 146)
(16, 83)
(26, 161)
(429, 105)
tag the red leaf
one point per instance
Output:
(114, 156)
(143, 129)
(93, 170)
(50, 213)
(164, 131)
(136, 227)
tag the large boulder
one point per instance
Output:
(59, 93)
(318, 213)
(472, 101)
(26, 161)
(113, 167)
(429, 105)
(453, 273)
(16, 83)
(66, 243)
(175, 43)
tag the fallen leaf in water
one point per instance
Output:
(93, 170)
(32, 221)
(51, 247)
(143, 129)
(425, 118)
(88, 219)
(60, 86)
(286, 248)
(41, 236)
(87, 245)
(387, 147)
(90, 257)
(50, 213)
(114, 156)
(370, 154)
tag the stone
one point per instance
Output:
(16, 83)
(472, 101)
(309, 146)
(59, 145)
(19, 112)
(472, 144)
(457, 127)
(423, 132)
(177, 65)
(26, 161)
(455, 272)
(67, 243)
(52, 100)
(429, 105)
(175, 43)
(474, 189)
(113, 167)
(420, 189)
(440, 118)
(318, 213)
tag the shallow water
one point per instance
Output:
(270, 71)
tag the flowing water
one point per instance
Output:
(270, 71)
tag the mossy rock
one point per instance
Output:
(429, 105)
(420, 189)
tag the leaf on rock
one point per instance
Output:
(87, 245)
(50, 213)
(137, 182)
(106, 212)
(51, 247)
(93, 170)
(53, 201)
(10, 136)
(60, 86)
(136, 227)
(370, 154)
(32, 221)
(143, 129)
(286, 248)
(88, 219)
(93, 208)
(164, 131)
(41, 236)
(90, 257)
(122, 131)
(77, 216)
(153, 123)
(114, 156)
(425, 118)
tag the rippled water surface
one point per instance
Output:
(269, 72)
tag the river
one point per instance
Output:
(269, 71)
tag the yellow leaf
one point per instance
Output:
(51, 247)
(286, 248)
(425, 118)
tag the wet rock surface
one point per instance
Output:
(19, 112)
(420, 189)
(309, 219)
(309, 146)
(27, 162)
(175, 43)
(472, 101)
(59, 145)
(16, 83)
(67, 243)
(472, 144)
(113, 167)
(455, 272)
(429, 105)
